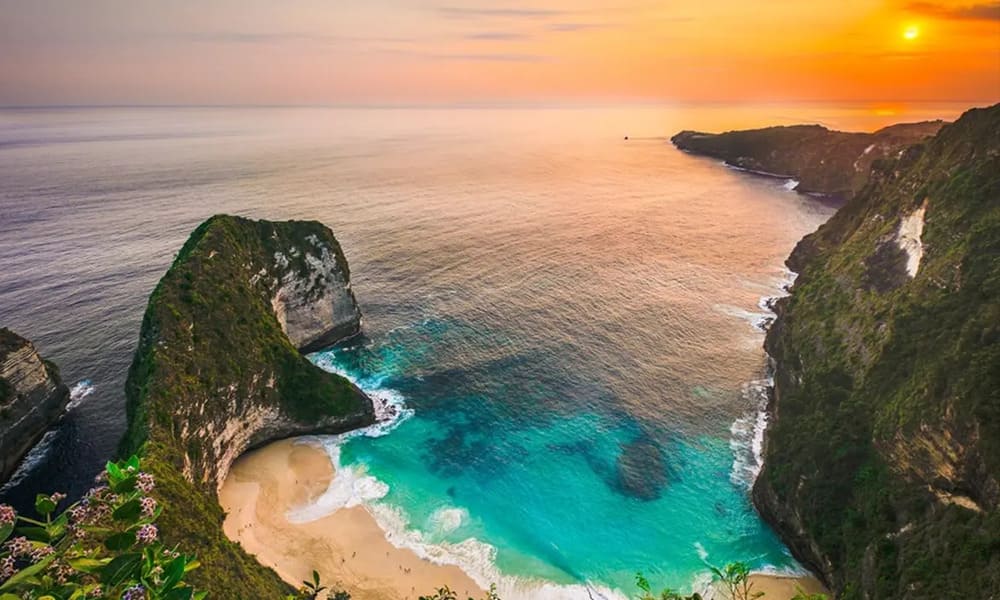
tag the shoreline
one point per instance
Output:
(348, 547)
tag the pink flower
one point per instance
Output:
(41, 552)
(146, 534)
(19, 546)
(7, 515)
(145, 482)
(7, 567)
(148, 506)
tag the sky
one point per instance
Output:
(471, 51)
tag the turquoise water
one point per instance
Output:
(567, 315)
(547, 485)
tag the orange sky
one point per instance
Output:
(399, 51)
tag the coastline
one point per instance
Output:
(347, 548)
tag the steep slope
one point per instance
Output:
(32, 397)
(830, 163)
(218, 370)
(883, 455)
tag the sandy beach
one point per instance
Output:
(348, 548)
(780, 587)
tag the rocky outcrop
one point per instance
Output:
(219, 370)
(32, 397)
(882, 457)
(824, 162)
(315, 306)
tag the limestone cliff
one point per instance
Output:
(825, 162)
(32, 397)
(219, 370)
(882, 458)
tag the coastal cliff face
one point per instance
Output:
(882, 459)
(824, 162)
(219, 370)
(32, 397)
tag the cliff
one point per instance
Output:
(219, 370)
(882, 457)
(32, 397)
(824, 162)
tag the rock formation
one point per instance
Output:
(32, 397)
(882, 460)
(824, 162)
(219, 370)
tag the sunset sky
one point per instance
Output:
(446, 51)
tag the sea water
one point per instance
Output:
(570, 321)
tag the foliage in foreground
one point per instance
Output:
(107, 546)
(104, 546)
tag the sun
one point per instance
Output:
(911, 32)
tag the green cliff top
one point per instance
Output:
(215, 374)
(885, 441)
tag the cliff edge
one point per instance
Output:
(882, 456)
(32, 397)
(824, 162)
(219, 370)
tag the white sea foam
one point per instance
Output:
(747, 440)
(36, 456)
(478, 560)
(757, 320)
(448, 519)
(353, 486)
(791, 184)
(350, 487)
(78, 392)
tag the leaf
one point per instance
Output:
(44, 505)
(114, 473)
(88, 565)
(183, 593)
(315, 578)
(133, 461)
(121, 568)
(38, 534)
(173, 573)
(125, 485)
(5, 532)
(120, 541)
(200, 595)
(129, 511)
(10, 597)
(191, 565)
(28, 573)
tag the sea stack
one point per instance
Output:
(219, 370)
(32, 397)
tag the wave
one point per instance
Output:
(36, 456)
(78, 392)
(353, 486)
(747, 439)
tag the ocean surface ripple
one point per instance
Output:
(568, 324)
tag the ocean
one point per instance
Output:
(572, 321)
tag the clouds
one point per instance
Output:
(988, 11)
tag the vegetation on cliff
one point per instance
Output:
(215, 374)
(883, 454)
(831, 163)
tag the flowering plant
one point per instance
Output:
(104, 546)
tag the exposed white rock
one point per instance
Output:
(911, 228)
(316, 304)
